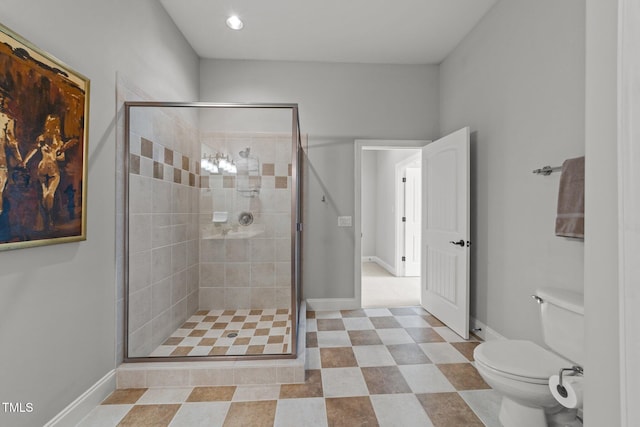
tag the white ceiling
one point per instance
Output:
(363, 31)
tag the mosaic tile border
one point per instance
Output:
(168, 165)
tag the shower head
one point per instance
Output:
(245, 153)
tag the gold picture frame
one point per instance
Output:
(44, 116)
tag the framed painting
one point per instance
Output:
(44, 116)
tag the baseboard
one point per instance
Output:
(80, 408)
(381, 263)
(323, 304)
(386, 266)
(483, 331)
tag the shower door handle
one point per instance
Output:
(458, 243)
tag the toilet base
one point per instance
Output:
(514, 414)
(564, 418)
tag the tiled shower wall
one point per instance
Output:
(247, 266)
(164, 173)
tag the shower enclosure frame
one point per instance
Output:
(296, 226)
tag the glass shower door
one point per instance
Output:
(212, 209)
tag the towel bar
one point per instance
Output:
(547, 170)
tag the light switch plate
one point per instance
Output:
(344, 221)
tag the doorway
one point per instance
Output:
(387, 218)
(444, 283)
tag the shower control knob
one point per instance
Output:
(245, 218)
(458, 243)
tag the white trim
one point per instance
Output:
(399, 249)
(628, 210)
(332, 304)
(485, 332)
(359, 145)
(80, 408)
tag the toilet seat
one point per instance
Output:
(519, 360)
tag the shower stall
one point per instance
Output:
(211, 231)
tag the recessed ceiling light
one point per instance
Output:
(234, 23)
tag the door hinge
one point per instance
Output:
(404, 219)
(404, 179)
(299, 226)
(404, 258)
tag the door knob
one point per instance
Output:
(458, 243)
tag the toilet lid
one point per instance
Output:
(520, 358)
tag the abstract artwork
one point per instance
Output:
(44, 113)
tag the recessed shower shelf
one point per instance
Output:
(240, 234)
(248, 192)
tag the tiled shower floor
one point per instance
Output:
(230, 333)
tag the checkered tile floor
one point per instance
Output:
(230, 333)
(371, 367)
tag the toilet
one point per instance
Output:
(519, 370)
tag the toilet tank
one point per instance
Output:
(562, 315)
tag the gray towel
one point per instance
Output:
(570, 219)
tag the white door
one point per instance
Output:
(412, 218)
(445, 233)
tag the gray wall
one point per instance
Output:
(338, 103)
(57, 303)
(602, 370)
(518, 81)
